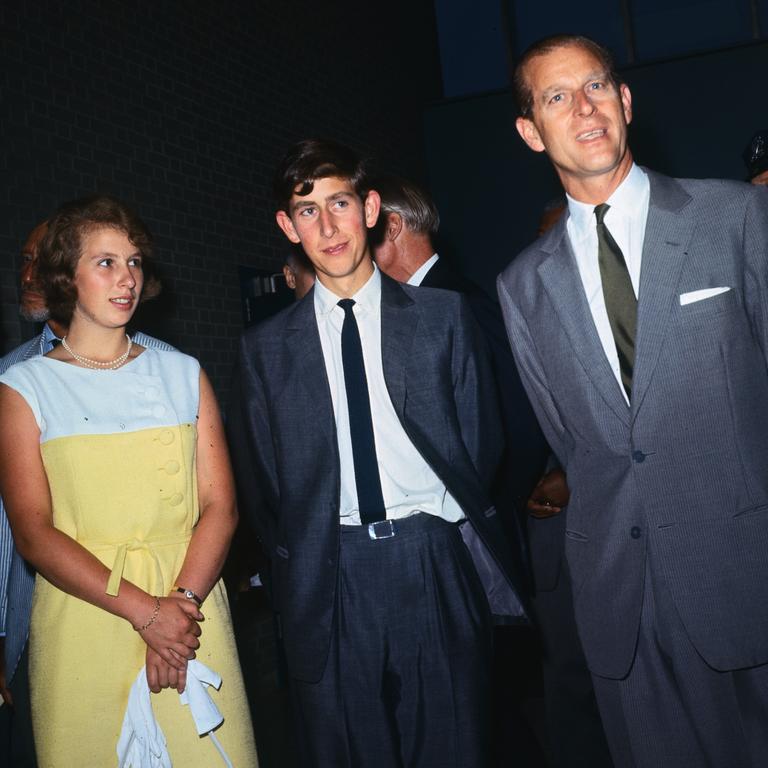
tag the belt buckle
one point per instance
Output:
(383, 529)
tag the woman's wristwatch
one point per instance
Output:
(189, 594)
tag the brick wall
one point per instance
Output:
(183, 109)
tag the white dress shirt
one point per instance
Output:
(421, 272)
(625, 221)
(407, 482)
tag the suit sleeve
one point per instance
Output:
(6, 555)
(532, 372)
(253, 459)
(755, 244)
(475, 396)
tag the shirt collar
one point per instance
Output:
(368, 297)
(418, 276)
(48, 335)
(625, 196)
(623, 199)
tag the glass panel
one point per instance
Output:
(603, 23)
(665, 28)
(473, 47)
(762, 12)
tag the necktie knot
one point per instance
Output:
(346, 305)
(600, 211)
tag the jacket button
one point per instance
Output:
(638, 456)
(635, 532)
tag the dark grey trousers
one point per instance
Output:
(675, 711)
(576, 735)
(406, 683)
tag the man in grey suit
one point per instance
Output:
(640, 329)
(365, 436)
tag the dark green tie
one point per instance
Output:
(620, 300)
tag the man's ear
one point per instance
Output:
(529, 133)
(394, 226)
(371, 206)
(285, 223)
(626, 102)
(290, 278)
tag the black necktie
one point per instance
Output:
(369, 496)
(620, 300)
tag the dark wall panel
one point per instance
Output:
(183, 108)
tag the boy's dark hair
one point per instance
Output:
(313, 159)
(62, 247)
(520, 87)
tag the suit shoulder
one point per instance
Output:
(150, 342)
(523, 267)
(270, 329)
(438, 305)
(717, 189)
(432, 297)
(22, 352)
(720, 205)
(713, 186)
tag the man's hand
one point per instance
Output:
(4, 690)
(550, 495)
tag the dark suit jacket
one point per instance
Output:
(526, 450)
(681, 476)
(285, 447)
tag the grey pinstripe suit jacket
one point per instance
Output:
(17, 579)
(285, 451)
(683, 472)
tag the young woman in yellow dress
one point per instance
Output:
(116, 479)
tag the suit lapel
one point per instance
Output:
(667, 235)
(562, 281)
(399, 326)
(304, 348)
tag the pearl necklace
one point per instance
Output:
(97, 364)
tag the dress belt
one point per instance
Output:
(132, 545)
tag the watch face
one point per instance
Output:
(189, 594)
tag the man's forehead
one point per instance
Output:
(322, 190)
(579, 79)
(563, 64)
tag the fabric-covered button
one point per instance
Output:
(176, 499)
(166, 437)
(171, 467)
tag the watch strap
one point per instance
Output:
(189, 594)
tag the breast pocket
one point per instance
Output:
(700, 311)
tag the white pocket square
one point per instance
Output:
(704, 293)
